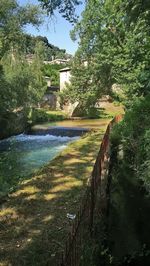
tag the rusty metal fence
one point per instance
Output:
(85, 217)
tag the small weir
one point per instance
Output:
(59, 131)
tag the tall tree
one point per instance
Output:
(13, 19)
(115, 45)
(21, 84)
(92, 72)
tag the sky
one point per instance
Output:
(56, 29)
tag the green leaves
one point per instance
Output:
(66, 8)
(21, 84)
(134, 135)
(116, 46)
(13, 18)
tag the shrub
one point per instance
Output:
(134, 135)
(41, 115)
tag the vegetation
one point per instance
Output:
(21, 84)
(66, 8)
(133, 134)
(37, 229)
(13, 18)
(113, 50)
(50, 51)
(42, 115)
(52, 71)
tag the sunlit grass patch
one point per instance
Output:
(7, 213)
(27, 190)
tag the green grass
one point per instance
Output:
(33, 221)
(109, 110)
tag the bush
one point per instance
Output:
(41, 115)
(144, 166)
(134, 135)
(92, 112)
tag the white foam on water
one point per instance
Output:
(25, 137)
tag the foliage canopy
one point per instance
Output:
(114, 47)
(21, 84)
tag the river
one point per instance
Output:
(23, 154)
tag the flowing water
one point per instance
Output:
(22, 155)
(85, 123)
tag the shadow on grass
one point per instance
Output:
(33, 222)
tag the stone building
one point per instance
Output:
(65, 75)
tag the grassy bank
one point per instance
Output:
(33, 222)
(43, 115)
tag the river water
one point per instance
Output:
(21, 155)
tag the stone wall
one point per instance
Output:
(12, 124)
(49, 101)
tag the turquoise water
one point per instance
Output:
(22, 155)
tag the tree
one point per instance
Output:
(115, 47)
(21, 84)
(66, 8)
(92, 71)
(51, 51)
(52, 71)
(13, 18)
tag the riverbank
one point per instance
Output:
(33, 221)
(13, 123)
(20, 121)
